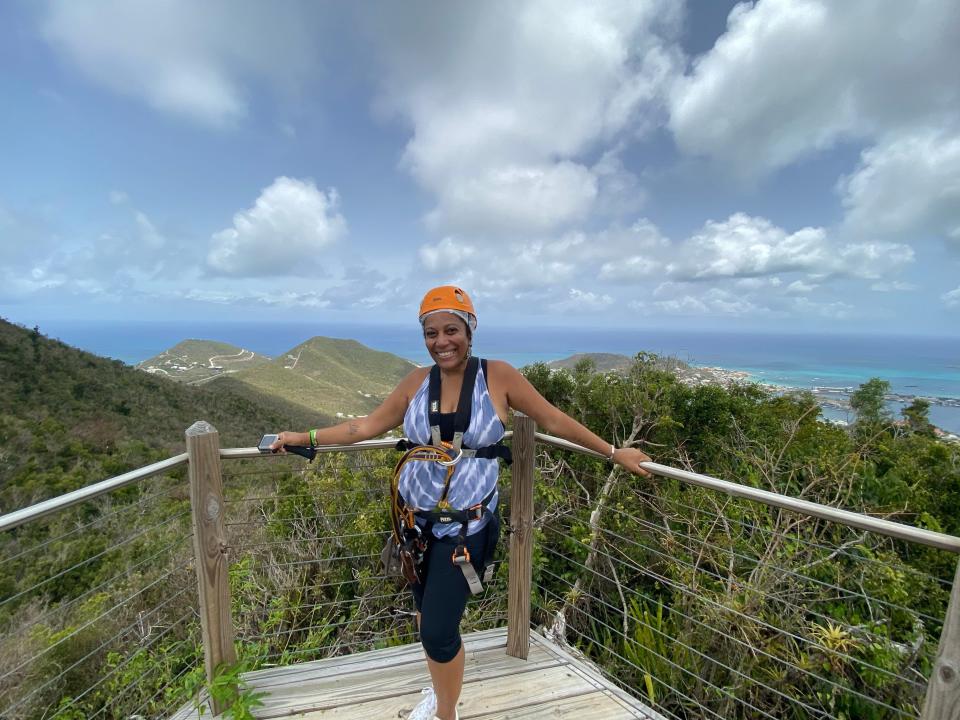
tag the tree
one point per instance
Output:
(917, 415)
(868, 402)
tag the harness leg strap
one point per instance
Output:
(461, 558)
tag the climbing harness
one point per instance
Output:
(408, 544)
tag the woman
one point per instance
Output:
(448, 320)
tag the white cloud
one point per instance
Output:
(799, 287)
(191, 59)
(805, 307)
(446, 254)
(629, 269)
(508, 197)
(282, 234)
(744, 246)
(895, 286)
(505, 101)
(118, 197)
(952, 298)
(908, 184)
(583, 301)
(790, 77)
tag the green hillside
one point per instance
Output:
(196, 361)
(602, 362)
(69, 418)
(327, 375)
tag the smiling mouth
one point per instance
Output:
(447, 354)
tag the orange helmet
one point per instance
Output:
(449, 298)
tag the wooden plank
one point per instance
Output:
(497, 695)
(593, 706)
(521, 538)
(310, 693)
(210, 547)
(585, 667)
(399, 654)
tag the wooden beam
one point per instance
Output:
(210, 548)
(943, 691)
(521, 537)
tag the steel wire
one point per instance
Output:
(844, 593)
(764, 594)
(80, 528)
(700, 598)
(547, 612)
(64, 606)
(96, 619)
(139, 651)
(91, 653)
(100, 554)
(162, 689)
(276, 543)
(679, 667)
(729, 551)
(767, 531)
(742, 643)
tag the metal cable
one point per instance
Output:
(846, 591)
(684, 645)
(701, 598)
(742, 643)
(66, 605)
(275, 543)
(767, 531)
(768, 596)
(705, 682)
(88, 655)
(100, 554)
(148, 700)
(323, 560)
(81, 528)
(547, 612)
(290, 520)
(97, 618)
(139, 651)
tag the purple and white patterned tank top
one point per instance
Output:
(421, 483)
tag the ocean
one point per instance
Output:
(925, 366)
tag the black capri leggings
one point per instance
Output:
(443, 596)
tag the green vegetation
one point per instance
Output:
(196, 361)
(703, 579)
(672, 589)
(328, 375)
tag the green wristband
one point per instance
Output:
(313, 438)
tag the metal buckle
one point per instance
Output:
(460, 559)
(454, 461)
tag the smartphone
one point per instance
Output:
(265, 442)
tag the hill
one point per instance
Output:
(68, 418)
(602, 362)
(196, 361)
(334, 376)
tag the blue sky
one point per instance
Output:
(778, 165)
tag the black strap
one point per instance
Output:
(448, 515)
(461, 420)
(497, 451)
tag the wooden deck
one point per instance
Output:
(383, 684)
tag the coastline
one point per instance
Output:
(829, 398)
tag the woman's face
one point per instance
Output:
(445, 336)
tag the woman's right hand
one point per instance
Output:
(281, 440)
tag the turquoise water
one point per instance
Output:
(927, 366)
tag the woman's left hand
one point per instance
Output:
(630, 459)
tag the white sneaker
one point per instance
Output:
(426, 709)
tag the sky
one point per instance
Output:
(783, 165)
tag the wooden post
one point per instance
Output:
(943, 691)
(521, 539)
(210, 548)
